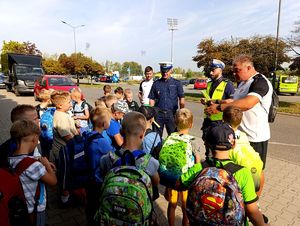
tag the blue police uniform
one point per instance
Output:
(165, 93)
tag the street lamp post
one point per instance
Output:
(277, 34)
(172, 24)
(74, 33)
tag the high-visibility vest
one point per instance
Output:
(217, 95)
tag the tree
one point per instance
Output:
(53, 67)
(262, 49)
(134, 67)
(295, 66)
(22, 48)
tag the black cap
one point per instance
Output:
(148, 111)
(220, 136)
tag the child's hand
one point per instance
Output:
(203, 101)
(44, 161)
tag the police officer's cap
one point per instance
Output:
(165, 66)
(217, 64)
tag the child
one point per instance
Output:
(100, 102)
(97, 146)
(220, 139)
(106, 90)
(119, 109)
(21, 111)
(133, 105)
(63, 129)
(152, 139)
(37, 174)
(133, 129)
(44, 97)
(243, 153)
(63, 125)
(110, 100)
(180, 161)
(81, 112)
(119, 92)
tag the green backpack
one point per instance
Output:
(175, 158)
(126, 195)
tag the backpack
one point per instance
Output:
(90, 107)
(214, 197)
(13, 208)
(46, 124)
(274, 107)
(126, 194)
(73, 169)
(175, 158)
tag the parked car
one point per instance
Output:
(108, 79)
(200, 84)
(192, 81)
(185, 82)
(55, 82)
(3, 78)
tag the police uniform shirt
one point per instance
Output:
(255, 120)
(229, 89)
(166, 93)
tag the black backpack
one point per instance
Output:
(274, 107)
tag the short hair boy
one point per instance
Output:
(133, 105)
(63, 125)
(110, 100)
(100, 102)
(106, 90)
(220, 139)
(26, 134)
(119, 92)
(133, 129)
(152, 139)
(243, 153)
(97, 146)
(118, 109)
(80, 111)
(44, 97)
(184, 122)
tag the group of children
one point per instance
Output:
(117, 125)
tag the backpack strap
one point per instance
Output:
(151, 150)
(232, 168)
(20, 168)
(128, 158)
(24, 164)
(148, 131)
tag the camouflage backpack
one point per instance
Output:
(175, 158)
(126, 195)
(214, 198)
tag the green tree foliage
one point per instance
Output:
(135, 68)
(262, 49)
(53, 67)
(20, 47)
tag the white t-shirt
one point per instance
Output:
(255, 121)
(145, 88)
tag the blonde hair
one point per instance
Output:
(99, 115)
(184, 119)
(44, 95)
(76, 94)
(23, 128)
(60, 97)
(134, 123)
(100, 102)
(110, 100)
(233, 116)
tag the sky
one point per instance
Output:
(137, 30)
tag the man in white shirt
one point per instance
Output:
(253, 96)
(145, 86)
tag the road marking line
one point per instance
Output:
(284, 144)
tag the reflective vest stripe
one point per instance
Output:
(217, 95)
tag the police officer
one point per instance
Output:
(218, 89)
(165, 94)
